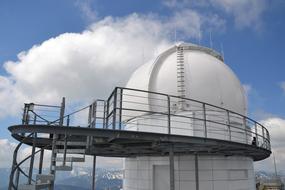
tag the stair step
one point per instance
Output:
(72, 143)
(71, 151)
(44, 178)
(63, 168)
(71, 159)
(34, 186)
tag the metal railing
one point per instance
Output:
(145, 111)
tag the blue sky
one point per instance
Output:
(251, 33)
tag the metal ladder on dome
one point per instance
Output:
(180, 76)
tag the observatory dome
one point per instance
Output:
(205, 77)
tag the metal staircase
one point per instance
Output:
(180, 76)
(66, 149)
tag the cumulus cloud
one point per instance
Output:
(87, 65)
(246, 13)
(276, 128)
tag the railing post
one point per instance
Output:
(229, 125)
(62, 108)
(107, 114)
(94, 114)
(205, 120)
(168, 115)
(104, 115)
(256, 135)
(263, 138)
(115, 108)
(89, 115)
(121, 107)
(245, 129)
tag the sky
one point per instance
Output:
(79, 48)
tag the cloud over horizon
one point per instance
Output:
(276, 128)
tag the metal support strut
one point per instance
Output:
(94, 173)
(196, 171)
(171, 168)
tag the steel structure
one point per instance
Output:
(108, 132)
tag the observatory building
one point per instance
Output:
(180, 123)
(192, 72)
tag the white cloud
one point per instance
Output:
(87, 65)
(85, 7)
(276, 128)
(246, 13)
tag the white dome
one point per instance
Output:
(207, 78)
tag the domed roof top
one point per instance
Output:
(198, 72)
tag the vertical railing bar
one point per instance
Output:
(263, 138)
(115, 108)
(168, 114)
(94, 114)
(107, 114)
(120, 109)
(245, 129)
(229, 125)
(104, 114)
(256, 135)
(205, 120)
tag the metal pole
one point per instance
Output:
(104, 115)
(245, 129)
(263, 138)
(115, 108)
(94, 173)
(205, 120)
(196, 172)
(41, 160)
(171, 168)
(256, 135)
(121, 104)
(229, 125)
(53, 151)
(168, 115)
(32, 159)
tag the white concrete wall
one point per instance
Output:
(215, 173)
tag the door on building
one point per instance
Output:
(161, 177)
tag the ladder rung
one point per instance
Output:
(72, 143)
(63, 168)
(71, 159)
(71, 151)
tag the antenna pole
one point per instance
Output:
(211, 42)
(222, 51)
(175, 35)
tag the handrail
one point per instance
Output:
(197, 101)
(205, 112)
(11, 183)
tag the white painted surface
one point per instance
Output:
(208, 80)
(215, 173)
